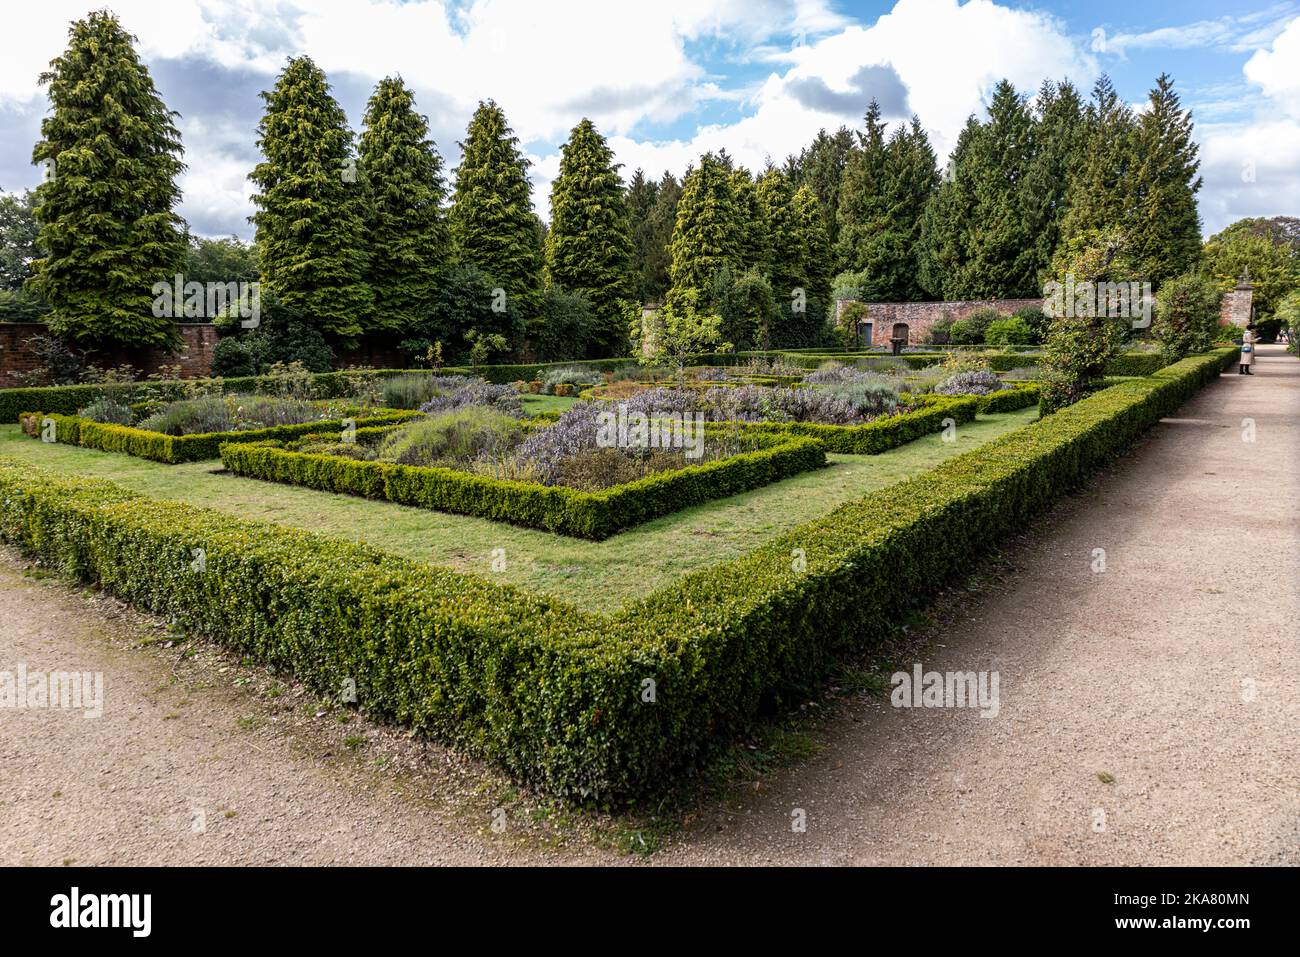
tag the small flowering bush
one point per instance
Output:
(456, 391)
(108, 412)
(980, 382)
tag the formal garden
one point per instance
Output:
(633, 480)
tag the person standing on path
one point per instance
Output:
(1247, 350)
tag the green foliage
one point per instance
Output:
(220, 260)
(550, 692)
(174, 449)
(567, 328)
(671, 336)
(18, 231)
(17, 305)
(284, 335)
(406, 232)
(820, 167)
(652, 231)
(704, 237)
(454, 437)
(556, 508)
(1187, 316)
(1271, 261)
(1079, 346)
(107, 225)
(753, 250)
(493, 226)
(311, 205)
(886, 187)
(1008, 331)
(745, 307)
(589, 246)
(879, 435)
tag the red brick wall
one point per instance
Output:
(920, 316)
(195, 357)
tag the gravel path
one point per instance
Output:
(1148, 713)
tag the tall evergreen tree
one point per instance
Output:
(641, 194)
(589, 246)
(1000, 256)
(1102, 188)
(311, 205)
(820, 167)
(814, 246)
(652, 242)
(784, 266)
(492, 221)
(1166, 226)
(406, 231)
(1058, 151)
(863, 201)
(704, 236)
(106, 217)
(943, 253)
(751, 238)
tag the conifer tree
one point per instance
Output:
(751, 239)
(704, 237)
(106, 217)
(653, 242)
(786, 254)
(814, 246)
(641, 195)
(589, 246)
(1000, 255)
(1102, 188)
(820, 167)
(1058, 151)
(406, 231)
(1165, 224)
(863, 201)
(492, 222)
(949, 218)
(311, 205)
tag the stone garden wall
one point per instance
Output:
(920, 316)
(17, 356)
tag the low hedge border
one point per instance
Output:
(69, 399)
(1018, 396)
(568, 511)
(174, 449)
(879, 435)
(556, 695)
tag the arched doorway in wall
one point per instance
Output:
(900, 331)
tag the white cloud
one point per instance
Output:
(1276, 71)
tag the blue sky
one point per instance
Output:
(671, 79)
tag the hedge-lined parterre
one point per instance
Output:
(173, 449)
(556, 696)
(556, 508)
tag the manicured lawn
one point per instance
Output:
(596, 575)
(546, 403)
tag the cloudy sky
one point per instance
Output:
(669, 79)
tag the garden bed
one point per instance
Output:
(556, 508)
(556, 695)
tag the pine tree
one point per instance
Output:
(1101, 191)
(589, 246)
(949, 219)
(863, 201)
(406, 232)
(820, 167)
(751, 239)
(656, 259)
(492, 221)
(106, 217)
(1058, 151)
(1000, 257)
(814, 246)
(311, 205)
(704, 238)
(780, 225)
(641, 195)
(1165, 224)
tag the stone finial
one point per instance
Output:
(1244, 281)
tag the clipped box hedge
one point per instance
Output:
(1019, 396)
(173, 449)
(557, 696)
(879, 435)
(555, 508)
